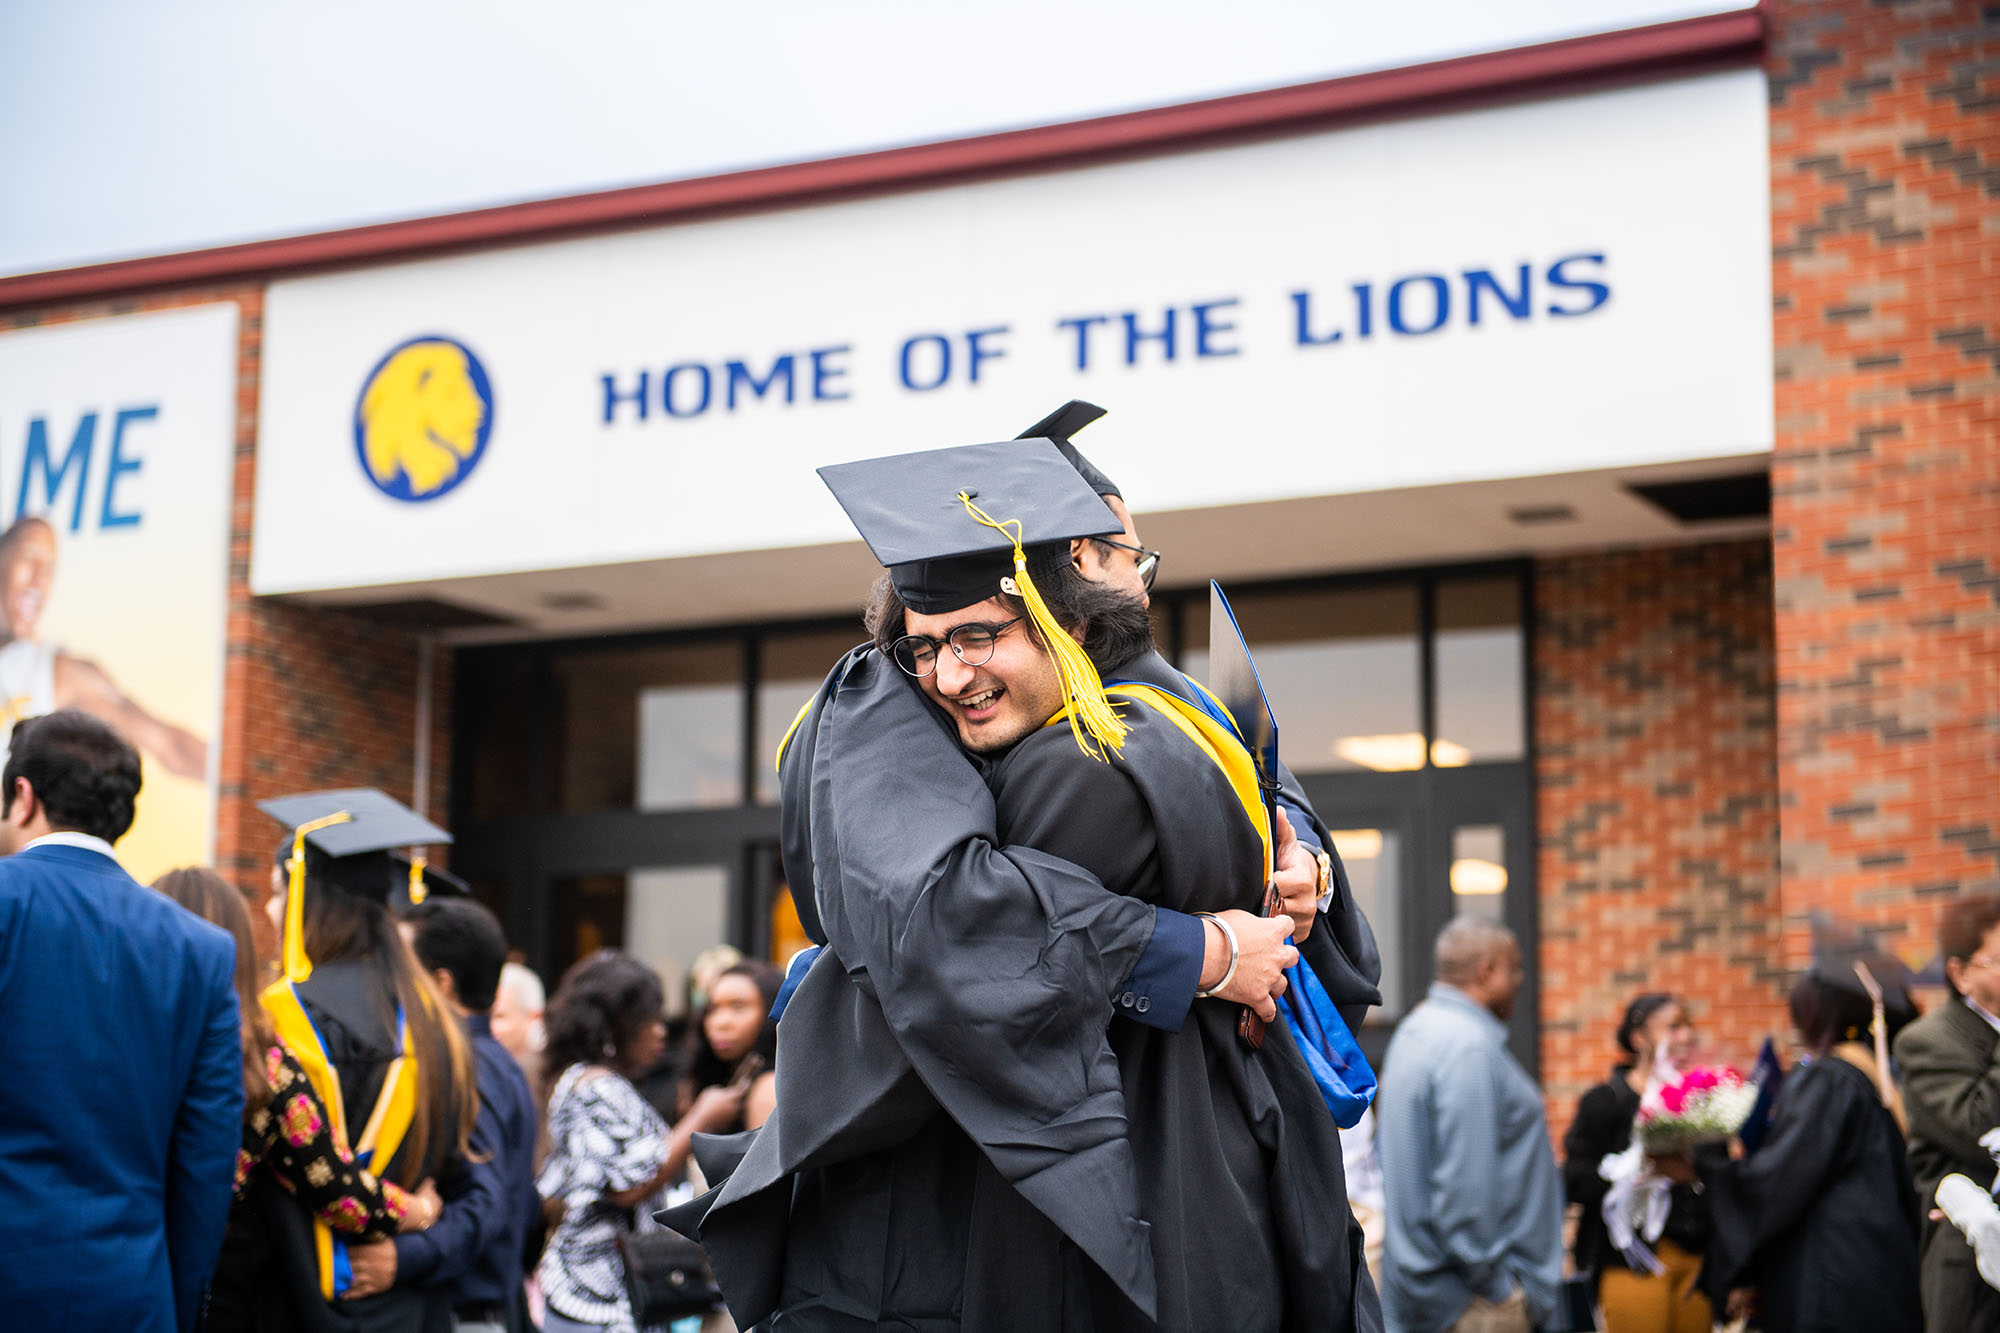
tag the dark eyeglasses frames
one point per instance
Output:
(1149, 560)
(971, 643)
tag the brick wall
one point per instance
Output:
(311, 698)
(1885, 169)
(1656, 801)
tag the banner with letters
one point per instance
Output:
(117, 443)
(1555, 286)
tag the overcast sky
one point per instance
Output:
(132, 127)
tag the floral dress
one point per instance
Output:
(604, 1138)
(292, 1137)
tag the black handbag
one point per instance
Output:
(666, 1276)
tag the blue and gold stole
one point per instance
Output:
(388, 1121)
(1341, 1071)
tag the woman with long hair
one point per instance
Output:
(285, 1130)
(1655, 1037)
(734, 1043)
(377, 1042)
(609, 1150)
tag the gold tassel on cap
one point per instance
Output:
(1090, 713)
(417, 890)
(297, 966)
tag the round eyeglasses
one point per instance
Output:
(971, 643)
(1147, 560)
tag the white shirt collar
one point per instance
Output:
(69, 838)
(1980, 1009)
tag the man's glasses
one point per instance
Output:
(1148, 560)
(971, 643)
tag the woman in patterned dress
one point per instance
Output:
(609, 1150)
(286, 1130)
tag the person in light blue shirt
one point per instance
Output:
(1475, 1201)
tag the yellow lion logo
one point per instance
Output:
(421, 416)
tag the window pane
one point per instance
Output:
(1480, 703)
(652, 728)
(791, 668)
(1341, 669)
(1374, 863)
(1479, 872)
(663, 917)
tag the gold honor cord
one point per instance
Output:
(297, 966)
(417, 890)
(1090, 713)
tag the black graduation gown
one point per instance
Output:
(1822, 1220)
(950, 1102)
(356, 1023)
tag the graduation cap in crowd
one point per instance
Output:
(345, 838)
(954, 526)
(1842, 952)
(1057, 428)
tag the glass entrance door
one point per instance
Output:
(1422, 847)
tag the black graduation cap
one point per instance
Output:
(1838, 946)
(343, 839)
(917, 514)
(415, 879)
(1057, 428)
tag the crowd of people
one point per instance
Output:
(386, 1128)
(1074, 1048)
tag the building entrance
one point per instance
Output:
(621, 792)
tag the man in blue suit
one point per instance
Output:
(121, 1064)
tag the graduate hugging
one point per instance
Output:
(1012, 1092)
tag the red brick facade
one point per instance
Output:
(1885, 175)
(311, 698)
(1656, 799)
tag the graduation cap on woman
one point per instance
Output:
(348, 837)
(1850, 959)
(954, 527)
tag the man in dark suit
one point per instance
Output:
(1951, 1068)
(121, 1105)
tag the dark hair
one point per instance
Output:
(1964, 927)
(1642, 1008)
(343, 924)
(602, 1003)
(218, 902)
(1826, 1014)
(461, 937)
(1115, 625)
(704, 1068)
(85, 774)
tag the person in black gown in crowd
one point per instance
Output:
(1817, 1230)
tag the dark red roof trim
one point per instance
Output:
(1577, 63)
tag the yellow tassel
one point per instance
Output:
(1091, 719)
(417, 890)
(298, 967)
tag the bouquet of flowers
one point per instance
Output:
(1705, 1105)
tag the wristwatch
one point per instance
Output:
(1325, 888)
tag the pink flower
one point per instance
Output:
(1674, 1098)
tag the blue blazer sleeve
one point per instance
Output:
(474, 1215)
(208, 1129)
(1167, 973)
